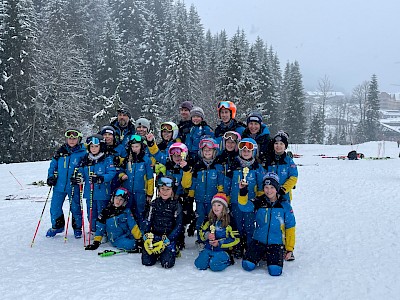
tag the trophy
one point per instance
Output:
(150, 237)
(245, 172)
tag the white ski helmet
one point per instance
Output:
(174, 128)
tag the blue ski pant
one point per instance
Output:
(167, 257)
(124, 242)
(202, 210)
(97, 207)
(215, 260)
(244, 222)
(56, 211)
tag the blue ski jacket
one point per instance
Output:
(196, 133)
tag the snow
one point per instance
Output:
(347, 242)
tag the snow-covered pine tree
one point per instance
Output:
(294, 119)
(372, 110)
(316, 134)
(17, 48)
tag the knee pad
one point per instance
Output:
(248, 265)
(274, 270)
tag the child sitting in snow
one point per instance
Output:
(218, 237)
(274, 235)
(117, 220)
(163, 225)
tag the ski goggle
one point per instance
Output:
(93, 140)
(247, 145)
(174, 151)
(224, 104)
(207, 143)
(165, 181)
(120, 192)
(166, 127)
(230, 135)
(73, 134)
(135, 138)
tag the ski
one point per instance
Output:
(107, 253)
(25, 197)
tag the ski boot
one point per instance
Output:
(53, 231)
(77, 233)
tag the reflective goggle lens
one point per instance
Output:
(230, 135)
(175, 151)
(166, 127)
(247, 145)
(224, 104)
(72, 134)
(93, 140)
(120, 192)
(208, 144)
(165, 181)
(136, 138)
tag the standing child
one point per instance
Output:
(283, 165)
(218, 237)
(162, 225)
(118, 222)
(207, 180)
(137, 177)
(199, 130)
(62, 167)
(245, 168)
(97, 171)
(274, 236)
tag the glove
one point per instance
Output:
(93, 246)
(76, 180)
(282, 192)
(158, 247)
(96, 178)
(148, 246)
(52, 181)
(160, 168)
(166, 240)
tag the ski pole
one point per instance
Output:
(41, 215)
(16, 180)
(70, 198)
(83, 215)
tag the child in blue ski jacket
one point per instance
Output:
(283, 165)
(274, 236)
(137, 177)
(245, 168)
(162, 226)
(199, 130)
(207, 180)
(96, 171)
(117, 221)
(218, 237)
(62, 167)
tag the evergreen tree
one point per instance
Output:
(372, 110)
(17, 48)
(316, 135)
(294, 119)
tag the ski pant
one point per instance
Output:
(273, 254)
(97, 207)
(167, 257)
(202, 210)
(56, 211)
(137, 204)
(244, 222)
(215, 260)
(125, 242)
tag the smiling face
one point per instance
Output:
(246, 153)
(185, 114)
(208, 153)
(254, 127)
(109, 138)
(218, 209)
(279, 148)
(123, 119)
(166, 135)
(165, 192)
(136, 148)
(94, 149)
(270, 192)
(196, 120)
(230, 145)
(225, 115)
(141, 130)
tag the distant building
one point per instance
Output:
(390, 124)
(389, 101)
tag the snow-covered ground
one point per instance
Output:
(348, 242)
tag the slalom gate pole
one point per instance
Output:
(91, 206)
(83, 214)
(16, 180)
(70, 198)
(41, 215)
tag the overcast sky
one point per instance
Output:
(347, 40)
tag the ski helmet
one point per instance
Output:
(123, 192)
(169, 181)
(231, 135)
(178, 148)
(96, 139)
(249, 144)
(227, 105)
(170, 126)
(209, 143)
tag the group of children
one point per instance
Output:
(239, 178)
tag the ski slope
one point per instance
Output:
(347, 247)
